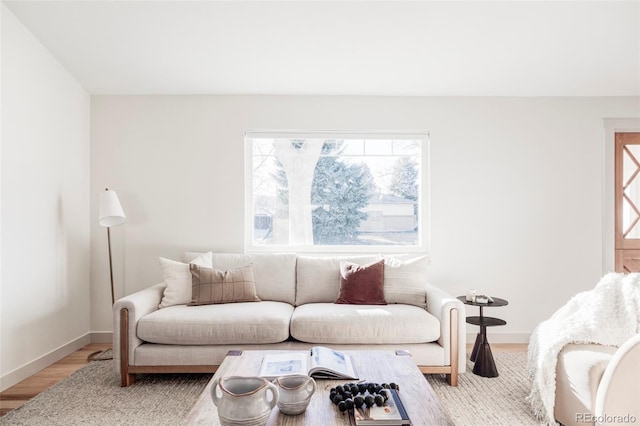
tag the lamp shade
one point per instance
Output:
(111, 213)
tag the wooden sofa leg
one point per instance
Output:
(126, 378)
(452, 378)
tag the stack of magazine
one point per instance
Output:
(392, 413)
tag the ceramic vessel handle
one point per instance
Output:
(214, 392)
(312, 388)
(274, 392)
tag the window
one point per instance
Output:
(336, 191)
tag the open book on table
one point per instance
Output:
(318, 362)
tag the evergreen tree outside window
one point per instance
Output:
(336, 191)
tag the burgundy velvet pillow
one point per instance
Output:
(361, 284)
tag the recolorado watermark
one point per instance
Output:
(605, 418)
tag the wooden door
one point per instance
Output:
(627, 203)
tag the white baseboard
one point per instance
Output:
(19, 374)
(497, 337)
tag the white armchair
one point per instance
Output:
(598, 385)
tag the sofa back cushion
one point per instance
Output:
(274, 273)
(318, 278)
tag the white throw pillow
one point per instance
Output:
(177, 277)
(405, 281)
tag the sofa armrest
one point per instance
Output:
(137, 306)
(618, 393)
(441, 304)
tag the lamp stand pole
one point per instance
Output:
(113, 300)
(93, 356)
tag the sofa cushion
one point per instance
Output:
(405, 280)
(328, 323)
(210, 285)
(177, 278)
(235, 323)
(361, 284)
(275, 273)
(318, 278)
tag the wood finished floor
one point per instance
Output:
(22, 392)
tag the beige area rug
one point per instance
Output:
(481, 401)
(93, 396)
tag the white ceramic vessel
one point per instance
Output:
(295, 393)
(246, 401)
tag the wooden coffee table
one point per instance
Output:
(418, 397)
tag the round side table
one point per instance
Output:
(481, 354)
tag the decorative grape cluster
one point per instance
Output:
(355, 395)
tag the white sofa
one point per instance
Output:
(296, 311)
(598, 384)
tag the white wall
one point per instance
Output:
(45, 207)
(516, 186)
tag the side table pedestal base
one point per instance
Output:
(484, 365)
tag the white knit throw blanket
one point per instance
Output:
(609, 314)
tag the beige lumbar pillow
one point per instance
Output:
(405, 281)
(177, 277)
(211, 286)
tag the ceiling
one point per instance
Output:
(415, 48)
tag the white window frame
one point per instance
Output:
(424, 225)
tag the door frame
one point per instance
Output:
(611, 127)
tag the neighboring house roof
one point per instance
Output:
(379, 198)
(266, 205)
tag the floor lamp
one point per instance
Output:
(111, 214)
